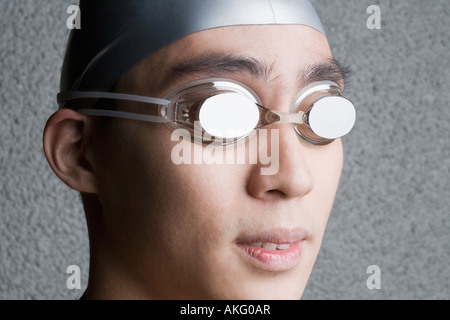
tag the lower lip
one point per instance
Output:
(272, 260)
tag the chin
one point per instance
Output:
(269, 291)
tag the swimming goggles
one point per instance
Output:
(228, 111)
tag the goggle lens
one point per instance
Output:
(329, 118)
(228, 115)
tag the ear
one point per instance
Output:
(66, 136)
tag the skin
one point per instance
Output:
(165, 231)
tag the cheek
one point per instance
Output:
(166, 204)
(326, 169)
(148, 179)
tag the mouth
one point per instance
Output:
(275, 251)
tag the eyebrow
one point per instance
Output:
(216, 65)
(331, 70)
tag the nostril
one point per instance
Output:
(275, 193)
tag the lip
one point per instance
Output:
(273, 260)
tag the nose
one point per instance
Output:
(293, 178)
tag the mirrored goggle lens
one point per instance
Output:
(232, 115)
(228, 115)
(332, 117)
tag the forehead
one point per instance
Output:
(284, 49)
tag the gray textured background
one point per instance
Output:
(393, 205)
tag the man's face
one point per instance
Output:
(194, 230)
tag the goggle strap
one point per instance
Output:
(125, 115)
(74, 95)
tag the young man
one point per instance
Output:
(165, 228)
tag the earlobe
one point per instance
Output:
(65, 139)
